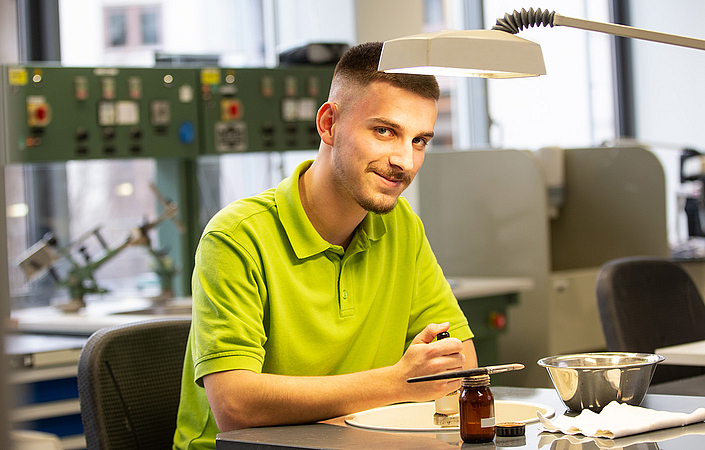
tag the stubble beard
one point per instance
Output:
(344, 179)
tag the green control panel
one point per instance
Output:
(68, 113)
(261, 109)
(63, 113)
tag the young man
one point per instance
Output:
(321, 297)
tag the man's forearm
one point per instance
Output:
(242, 398)
(247, 399)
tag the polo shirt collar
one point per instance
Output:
(373, 226)
(303, 237)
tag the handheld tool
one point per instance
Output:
(489, 370)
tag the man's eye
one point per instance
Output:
(384, 131)
(420, 141)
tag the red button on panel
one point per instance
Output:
(230, 109)
(497, 320)
(38, 112)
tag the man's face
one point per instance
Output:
(379, 143)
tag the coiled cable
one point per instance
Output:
(517, 21)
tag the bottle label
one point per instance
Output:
(487, 422)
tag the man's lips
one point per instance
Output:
(387, 179)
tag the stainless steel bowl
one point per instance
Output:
(592, 380)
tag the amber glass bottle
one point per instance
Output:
(476, 409)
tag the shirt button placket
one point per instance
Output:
(346, 304)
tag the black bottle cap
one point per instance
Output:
(442, 335)
(510, 429)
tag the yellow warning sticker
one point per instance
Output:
(210, 76)
(17, 76)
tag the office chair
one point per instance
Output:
(646, 303)
(129, 384)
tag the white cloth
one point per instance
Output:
(548, 440)
(619, 419)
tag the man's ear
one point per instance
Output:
(325, 119)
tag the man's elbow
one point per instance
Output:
(230, 407)
(233, 417)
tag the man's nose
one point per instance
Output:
(403, 156)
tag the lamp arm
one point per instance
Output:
(513, 23)
(630, 32)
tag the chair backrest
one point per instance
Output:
(646, 303)
(129, 384)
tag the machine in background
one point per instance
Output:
(691, 204)
(176, 116)
(44, 256)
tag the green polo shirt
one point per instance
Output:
(270, 295)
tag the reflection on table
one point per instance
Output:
(336, 434)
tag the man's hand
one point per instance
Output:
(426, 357)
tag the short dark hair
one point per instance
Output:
(359, 65)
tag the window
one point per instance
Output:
(149, 24)
(132, 26)
(572, 105)
(668, 98)
(117, 28)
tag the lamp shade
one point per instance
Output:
(472, 53)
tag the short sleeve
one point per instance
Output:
(229, 301)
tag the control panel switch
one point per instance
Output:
(160, 113)
(38, 112)
(230, 109)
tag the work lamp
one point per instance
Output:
(499, 53)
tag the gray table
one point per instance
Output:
(690, 354)
(335, 434)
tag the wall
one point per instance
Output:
(374, 24)
(8, 31)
